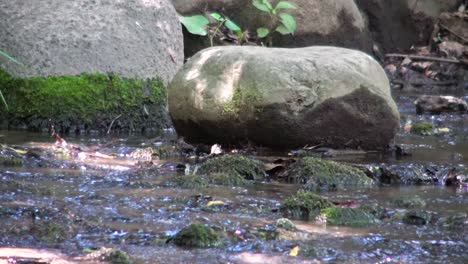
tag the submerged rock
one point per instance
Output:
(234, 165)
(284, 98)
(410, 202)
(458, 221)
(198, 236)
(304, 205)
(436, 104)
(417, 218)
(347, 217)
(319, 174)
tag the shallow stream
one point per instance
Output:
(119, 206)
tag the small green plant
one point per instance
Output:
(280, 22)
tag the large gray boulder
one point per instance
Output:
(134, 38)
(320, 22)
(283, 98)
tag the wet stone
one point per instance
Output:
(417, 218)
(246, 167)
(347, 217)
(318, 174)
(304, 205)
(198, 236)
(410, 202)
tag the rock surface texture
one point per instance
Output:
(132, 38)
(283, 98)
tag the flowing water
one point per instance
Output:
(75, 209)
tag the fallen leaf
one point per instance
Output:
(294, 251)
(214, 203)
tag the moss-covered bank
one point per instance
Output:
(83, 103)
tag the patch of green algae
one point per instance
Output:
(88, 100)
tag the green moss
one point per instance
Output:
(410, 202)
(348, 217)
(285, 224)
(233, 165)
(88, 101)
(318, 174)
(304, 205)
(49, 231)
(191, 181)
(422, 128)
(118, 257)
(197, 235)
(243, 100)
(226, 179)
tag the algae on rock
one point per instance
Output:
(348, 217)
(318, 174)
(243, 166)
(84, 102)
(197, 235)
(304, 205)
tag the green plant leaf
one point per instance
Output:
(282, 30)
(259, 4)
(195, 24)
(262, 32)
(232, 26)
(4, 54)
(267, 3)
(218, 16)
(284, 5)
(288, 22)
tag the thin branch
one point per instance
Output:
(112, 123)
(426, 58)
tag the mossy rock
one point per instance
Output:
(10, 156)
(50, 232)
(318, 174)
(458, 221)
(417, 218)
(243, 166)
(286, 224)
(118, 257)
(304, 205)
(348, 217)
(198, 236)
(82, 103)
(409, 202)
(191, 181)
(374, 209)
(422, 128)
(227, 179)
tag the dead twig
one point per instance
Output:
(453, 33)
(112, 123)
(426, 58)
